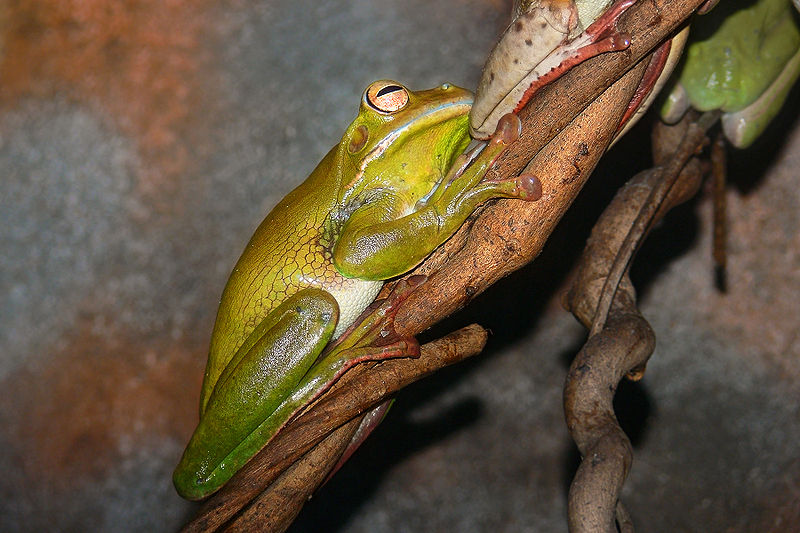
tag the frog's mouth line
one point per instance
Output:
(448, 110)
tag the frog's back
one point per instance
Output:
(288, 252)
(275, 260)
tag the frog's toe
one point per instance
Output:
(529, 187)
(508, 130)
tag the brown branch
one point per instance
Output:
(622, 344)
(613, 227)
(358, 391)
(276, 508)
(626, 343)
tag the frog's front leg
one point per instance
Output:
(458, 196)
(384, 249)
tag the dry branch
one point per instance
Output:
(621, 341)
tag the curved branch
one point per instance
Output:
(626, 343)
(622, 344)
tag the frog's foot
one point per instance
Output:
(524, 187)
(606, 24)
(376, 323)
(471, 188)
(372, 337)
(658, 71)
(600, 37)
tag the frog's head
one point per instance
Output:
(404, 136)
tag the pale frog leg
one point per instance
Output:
(600, 37)
(743, 127)
(536, 49)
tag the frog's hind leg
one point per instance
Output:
(239, 417)
(371, 338)
(237, 405)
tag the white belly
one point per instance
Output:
(353, 297)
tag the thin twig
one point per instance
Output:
(668, 176)
(718, 174)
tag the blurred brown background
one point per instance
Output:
(141, 142)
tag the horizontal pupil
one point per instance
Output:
(388, 89)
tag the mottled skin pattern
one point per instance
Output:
(286, 253)
(545, 39)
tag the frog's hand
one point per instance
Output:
(744, 65)
(257, 380)
(385, 249)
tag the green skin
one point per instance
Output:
(742, 61)
(378, 204)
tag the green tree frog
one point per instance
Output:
(743, 59)
(380, 201)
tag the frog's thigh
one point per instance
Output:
(256, 382)
(252, 386)
(298, 329)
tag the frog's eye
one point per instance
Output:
(387, 96)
